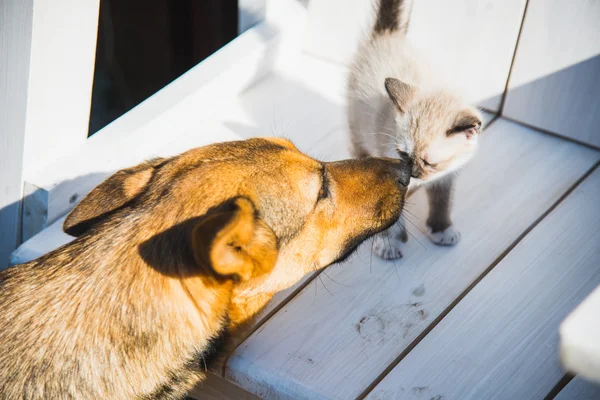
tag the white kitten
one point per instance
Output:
(398, 107)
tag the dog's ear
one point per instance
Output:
(235, 242)
(113, 193)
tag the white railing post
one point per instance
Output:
(15, 44)
(47, 54)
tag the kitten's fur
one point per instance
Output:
(397, 107)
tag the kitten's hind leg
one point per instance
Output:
(388, 244)
(441, 230)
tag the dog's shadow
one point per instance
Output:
(171, 252)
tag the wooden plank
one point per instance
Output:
(579, 389)
(176, 110)
(61, 71)
(555, 80)
(580, 337)
(16, 18)
(216, 388)
(478, 63)
(501, 340)
(333, 343)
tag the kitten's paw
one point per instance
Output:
(448, 237)
(388, 248)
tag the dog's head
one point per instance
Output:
(245, 209)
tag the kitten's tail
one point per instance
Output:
(393, 16)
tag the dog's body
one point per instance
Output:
(175, 256)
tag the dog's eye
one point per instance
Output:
(322, 194)
(324, 191)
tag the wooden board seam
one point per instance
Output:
(512, 62)
(560, 385)
(465, 292)
(551, 133)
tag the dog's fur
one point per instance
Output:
(175, 256)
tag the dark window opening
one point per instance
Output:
(143, 45)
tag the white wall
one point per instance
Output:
(555, 81)
(473, 40)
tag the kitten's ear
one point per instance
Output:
(401, 93)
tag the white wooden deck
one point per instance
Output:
(476, 321)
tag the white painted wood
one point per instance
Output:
(16, 18)
(473, 41)
(501, 340)
(44, 242)
(178, 109)
(580, 335)
(333, 343)
(59, 95)
(555, 81)
(250, 12)
(579, 389)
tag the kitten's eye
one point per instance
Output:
(428, 164)
(469, 130)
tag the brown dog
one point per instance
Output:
(173, 254)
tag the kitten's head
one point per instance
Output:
(435, 128)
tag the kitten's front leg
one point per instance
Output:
(441, 230)
(388, 244)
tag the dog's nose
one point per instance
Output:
(404, 171)
(404, 168)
